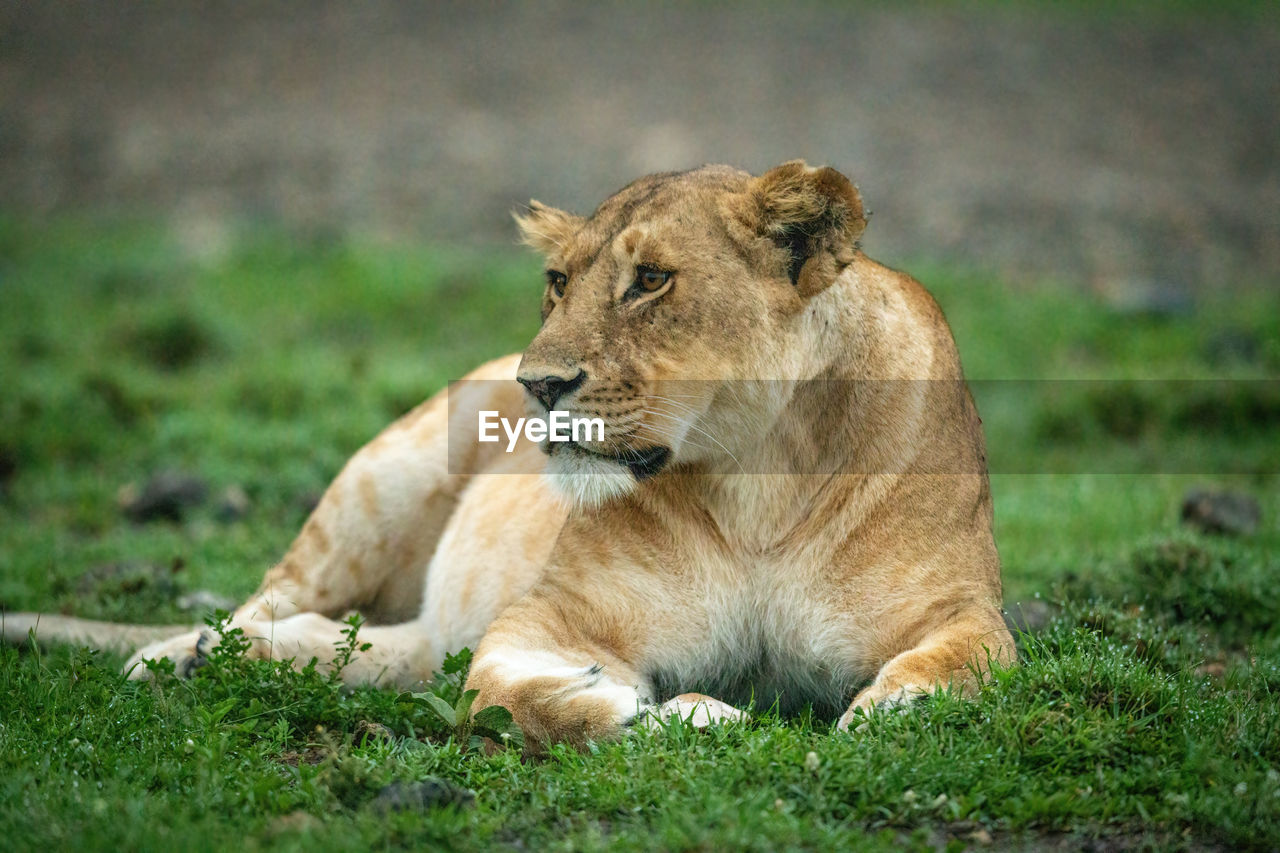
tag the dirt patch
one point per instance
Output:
(1104, 147)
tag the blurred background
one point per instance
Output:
(1131, 149)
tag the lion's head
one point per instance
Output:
(660, 304)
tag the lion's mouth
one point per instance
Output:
(642, 464)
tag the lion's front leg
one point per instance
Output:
(957, 655)
(559, 685)
(558, 696)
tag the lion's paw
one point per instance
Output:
(188, 652)
(701, 711)
(858, 717)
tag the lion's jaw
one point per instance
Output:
(649, 430)
(588, 481)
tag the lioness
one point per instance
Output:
(790, 498)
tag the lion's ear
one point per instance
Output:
(814, 214)
(545, 228)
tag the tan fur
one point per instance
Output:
(819, 528)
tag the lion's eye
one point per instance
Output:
(557, 280)
(650, 279)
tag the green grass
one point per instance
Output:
(1146, 713)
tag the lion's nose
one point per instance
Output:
(548, 389)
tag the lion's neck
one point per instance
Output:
(754, 512)
(859, 355)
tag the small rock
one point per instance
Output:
(131, 578)
(422, 795)
(1226, 513)
(367, 731)
(167, 495)
(8, 465)
(308, 501)
(981, 836)
(1029, 617)
(296, 821)
(1212, 669)
(1233, 346)
(1147, 297)
(206, 601)
(233, 505)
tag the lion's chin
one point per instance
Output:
(587, 480)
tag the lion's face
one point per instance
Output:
(659, 303)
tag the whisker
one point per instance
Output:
(694, 426)
(653, 431)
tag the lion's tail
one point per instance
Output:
(48, 629)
